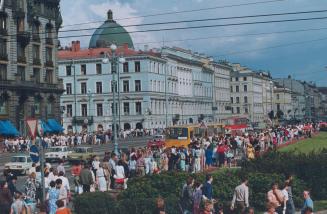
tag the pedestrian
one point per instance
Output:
(32, 169)
(61, 167)
(270, 208)
(95, 164)
(208, 207)
(85, 178)
(5, 198)
(31, 186)
(107, 174)
(308, 210)
(62, 191)
(208, 156)
(221, 154)
(249, 210)
(290, 207)
(132, 166)
(76, 171)
(52, 197)
(197, 197)
(276, 197)
(207, 189)
(285, 193)
(101, 178)
(12, 184)
(66, 186)
(241, 197)
(307, 201)
(18, 206)
(187, 196)
(160, 209)
(120, 174)
(61, 208)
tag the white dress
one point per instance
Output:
(101, 180)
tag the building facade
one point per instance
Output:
(251, 94)
(29, 84)
(283, 102)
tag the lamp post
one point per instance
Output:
(121, 61)
(75, 99)
(89, 94)
(114, 60)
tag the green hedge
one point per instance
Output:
(142, 192)
(311, 168)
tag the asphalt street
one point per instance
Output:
(98, 149)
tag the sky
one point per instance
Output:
(297, 48)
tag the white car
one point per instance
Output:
(57, 153)
(19, 164)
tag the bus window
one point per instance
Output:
(178, 133)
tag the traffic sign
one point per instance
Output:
(32, 126)
(34, 154)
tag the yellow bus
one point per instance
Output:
(181, 136)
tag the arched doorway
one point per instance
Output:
(127, 126)
(139, 126)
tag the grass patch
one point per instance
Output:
(315, 144)
(320, 205)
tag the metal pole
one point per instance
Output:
(42, 168)
(89, 110)
(118, 88)
(114, 129)
(75, 100)
(166, 97)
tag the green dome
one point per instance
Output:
(110, 32)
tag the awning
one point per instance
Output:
(55, 126)
(7, 128)
(46, 128)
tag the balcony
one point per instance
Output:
(31, 85)
(37, 61)
(3, 57)
(23, 37)
(36, 38)
(49, 64)
(3, 32)
(21, 59)
(49, 41)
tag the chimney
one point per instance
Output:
(76, 46)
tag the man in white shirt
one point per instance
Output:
(241, 197)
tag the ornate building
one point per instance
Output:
(29, 84)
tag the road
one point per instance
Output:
(98, 149)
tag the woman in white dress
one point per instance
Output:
(101, 179)
(120, 173)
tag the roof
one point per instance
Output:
(109, 33)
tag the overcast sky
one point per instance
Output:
(305, 60)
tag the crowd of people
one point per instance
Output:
(197, 198)
(114, 170)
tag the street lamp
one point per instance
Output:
(114, 60)
(89, 93)
(121, 60)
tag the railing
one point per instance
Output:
(36, 38)
(4, 57)
(49, 64)
(36, 61)
(30, 84)
(21, 59)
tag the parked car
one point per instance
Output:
(157, 141)
(81, 154)
(19, 164)
(57, 153)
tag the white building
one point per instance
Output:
(283, 101)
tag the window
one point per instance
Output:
(68, 70)
(231, 89)
(112, 109)
(20, 25)
(3, 23)
(3, 49)
(49, 108)
(246, 110)
(137, 85)
(3, 72)
(245, 87)
(48, 32)
(83, 87)
(278, 107)
(83, 69)
(69, 109)
(244, 79)
(99, 110)
(113, 84)
(49, 76)
(126, 108)
(277, 96)
(245, 99)
(125, 86)
(21, 73)
(238, 111)
(137, 66)
(68, 88)
(237, 100)
(236, 79)
(125, 67)
(21, 53)
(36, 52)
(231, 99)
(3, 108)
(237, 88)
(232, 110)
(98, 68)
(138, 108)
(84, 110)
(48, 54)
(99, 87)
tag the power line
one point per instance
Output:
(270, 47)
(201, 20)
(180, 12)
(185, 28)
(234, 35)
